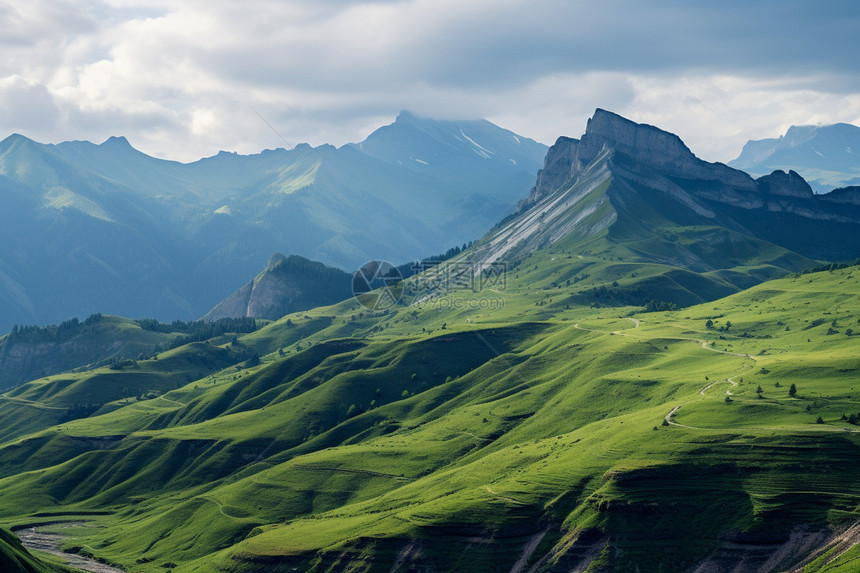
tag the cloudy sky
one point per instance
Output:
(183, 80)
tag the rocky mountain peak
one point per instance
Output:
(645, 144)
(790, 184)
(275, 260)
(640, 141)
(287, 284)
(116, 141)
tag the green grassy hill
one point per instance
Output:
(28, 353)
(15, 558)
(630, 375)
(429, 438)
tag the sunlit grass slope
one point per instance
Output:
(15, 558)
(469, 438)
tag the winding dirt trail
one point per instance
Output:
(31, 403)
(491, 491)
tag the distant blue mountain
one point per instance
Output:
(105, 228)
(828, 157)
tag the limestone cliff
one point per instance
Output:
(660, 160)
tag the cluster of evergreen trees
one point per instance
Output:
(828, 267)
(198, 330)
(413, 268)
(37, 333)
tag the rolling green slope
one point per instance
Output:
(28, 353)
(448, 438)
(539, 402)
(15, 558)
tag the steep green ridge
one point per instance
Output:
(675, 229)
(534, 403)
(601, 227)
(73, 395)
(15, 558)
(32, 352)
(506, 434)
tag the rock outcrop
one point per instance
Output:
(288, 284)
(850, 195)
(660, 160)
(789, 184)
(643, 144)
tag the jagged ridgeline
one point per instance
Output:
(825, 155)
(562, 417)
(664, 224)
(119, 232)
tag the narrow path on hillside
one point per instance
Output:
(672, 422)
(813, 427)
(636, 322)
(31, 403)
(350, 471)
(702, 391)
(733, 383)
(704, 344)
(504, 497)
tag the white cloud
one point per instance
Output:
(26, 104)
(716, 115)
(184, 80)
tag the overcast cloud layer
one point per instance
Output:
(185, 80)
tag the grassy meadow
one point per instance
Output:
(544, 428)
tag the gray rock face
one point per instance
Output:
(560, 165)
(659, 149)
(849, 195)
(288, 284)
(631, 181)
(660, 160)
(643, 143)
(788, 184)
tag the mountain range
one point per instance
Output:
(827, 156)
(689, 230)
(648, 366)
(668, 225)
(105, 228)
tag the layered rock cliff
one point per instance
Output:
(660, 159)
